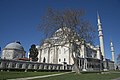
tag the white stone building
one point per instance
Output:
(52, 51)
(13, 50)
(58, 54)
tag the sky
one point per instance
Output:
(19, 20)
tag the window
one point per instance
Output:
(59, 60)
(44, 60)
(64, 59)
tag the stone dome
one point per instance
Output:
(37, 46)
(14, 45)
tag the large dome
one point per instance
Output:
(14, 45)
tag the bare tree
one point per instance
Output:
(73, 28)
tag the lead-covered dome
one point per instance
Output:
(14, 45)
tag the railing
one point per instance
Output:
(17, 64)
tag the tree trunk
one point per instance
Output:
(75, 65)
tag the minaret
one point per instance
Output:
(101, 36)
(112, 51)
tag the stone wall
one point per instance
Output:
(17, 64)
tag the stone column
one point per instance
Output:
(105, 65)
(44, 67)
(39, 55)
(69, 53)
(48, 54)
(85, 65)
(2, 65)
(17, 65)
(61, 67)
(29, 66)
(58, 67)
(40, 66)
(10, 65)
(24, 66)
(53, 67)
(54, 54)
(35, 66)
(56, 59)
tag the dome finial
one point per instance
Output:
(18, 42)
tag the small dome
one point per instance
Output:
(37, 46)
(14, 45)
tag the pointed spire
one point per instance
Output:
(111, 44)
(110, 40)
(99, 22)
(98, 15)
(112, 50)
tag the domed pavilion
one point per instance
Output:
(13, 50)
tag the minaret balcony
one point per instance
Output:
(111, 45)
(112, 50)
(99, 24)
(99, 29)
(100, 35)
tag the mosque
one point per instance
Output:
(89, 57)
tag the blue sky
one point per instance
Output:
(19, 20)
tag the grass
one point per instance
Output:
(70, 76)
(89, 76)
(11, 75)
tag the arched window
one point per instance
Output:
(64, 59)
(59, 60)
(44, 60)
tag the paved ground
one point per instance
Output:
(28, 78)
(116, 78)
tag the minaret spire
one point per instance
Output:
(100, 36)
(112, 50)
(98, 15)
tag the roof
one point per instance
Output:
(14, 45)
